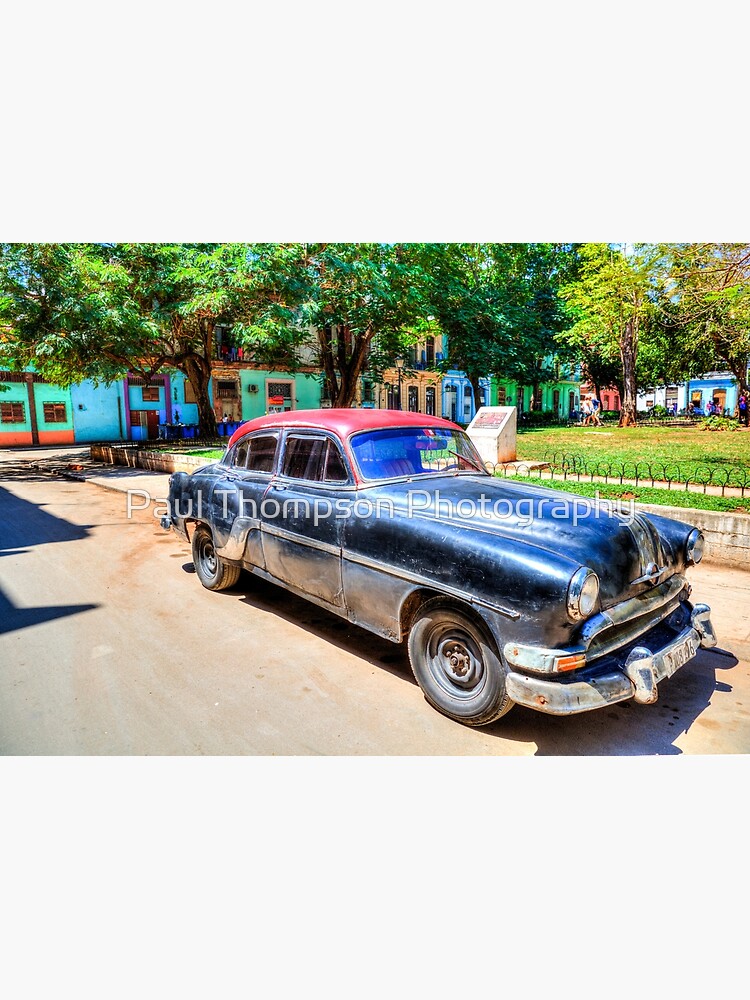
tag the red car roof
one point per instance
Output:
(343, 422)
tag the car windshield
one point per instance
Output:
(414, 451)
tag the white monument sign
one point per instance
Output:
(493, 431)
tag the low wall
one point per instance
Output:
(727, 535)
(137, 458)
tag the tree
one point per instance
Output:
(711, 304)
(78, 311)
(351, 304)
(498, 306)
(610, 302)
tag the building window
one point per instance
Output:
(150, 393)
(12, 413)
(556, 400)
(226, 389)
(54, 413)
(430, 351)
(429, 401)
(501, 395)
(413, 399)
(190, 396)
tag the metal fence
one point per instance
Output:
(669, 475)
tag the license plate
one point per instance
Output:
(679, 656)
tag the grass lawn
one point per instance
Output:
(688, 447)
(213, 453)
(644, 494)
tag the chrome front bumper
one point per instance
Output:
(643, 670)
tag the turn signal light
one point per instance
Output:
(563, 663)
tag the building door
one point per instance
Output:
(283, 395)
(413, 399)
(227, 399)
(144, 424)
(450, 402)
(468, 404)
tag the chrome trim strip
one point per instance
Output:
(424, 582)
(293, 536)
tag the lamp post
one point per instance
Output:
(400, 367)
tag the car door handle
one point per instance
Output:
(279, 487)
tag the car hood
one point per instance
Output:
(620, 546)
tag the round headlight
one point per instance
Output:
(583, 593)
(694, 546)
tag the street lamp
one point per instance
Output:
(400, 367)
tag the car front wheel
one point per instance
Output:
(213, 572)
(457, 666)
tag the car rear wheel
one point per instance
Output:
(213, 572)
(456, 664)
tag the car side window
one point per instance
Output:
(304, 458)
(335, 468)
(262, 453)
(239, 458)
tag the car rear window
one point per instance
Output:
(262, 453)
(256, 454)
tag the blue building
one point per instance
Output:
(459, 404)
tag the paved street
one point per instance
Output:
(109, 645)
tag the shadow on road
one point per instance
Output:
(324, 624)
(624, 729)
(24, 524)
(12, 618)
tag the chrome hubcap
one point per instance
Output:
(458, 662)
(208, 557)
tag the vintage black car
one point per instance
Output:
(506, 593)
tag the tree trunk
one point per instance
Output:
(628, 354)
(330, 381)
(198, 371)
(350, 370)
(474, 379)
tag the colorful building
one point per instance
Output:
(452, 396)
(718, 387)
(33, 412)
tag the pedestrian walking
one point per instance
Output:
(587, 410)
(595, 408)
(743, 404)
